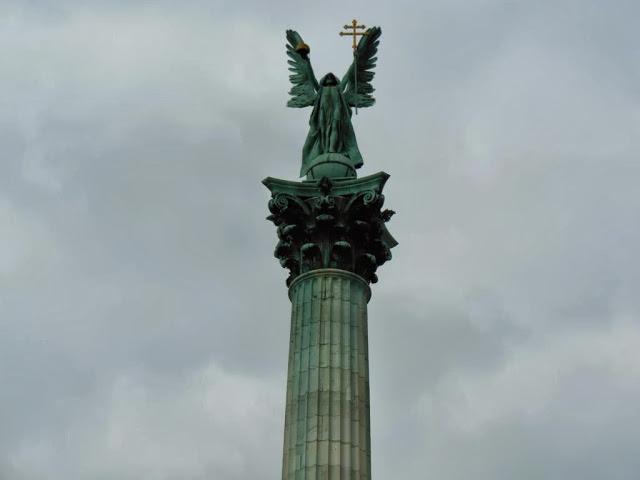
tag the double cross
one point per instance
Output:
(354, 31)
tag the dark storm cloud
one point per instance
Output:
(144, 320)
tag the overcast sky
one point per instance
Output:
(144, 321)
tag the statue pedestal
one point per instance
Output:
(332, 238)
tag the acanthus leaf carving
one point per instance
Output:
(331, 224)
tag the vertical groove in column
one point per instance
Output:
(355, 424)
(313, 426)
(367, 397)
(358, 388)
(327, 413)
(347, 394)
(285, 455)
(310, 293)
(306, 397)
(293, 457)
(293, 460)
(325, 333)
(344, 294)
(332, 284)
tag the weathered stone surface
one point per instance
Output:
(327, 432)
(331, 223)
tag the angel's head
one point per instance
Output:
(329, 80)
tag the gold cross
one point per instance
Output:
(354, 31)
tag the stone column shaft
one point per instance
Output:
(327, 433)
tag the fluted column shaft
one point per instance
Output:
(327, 433)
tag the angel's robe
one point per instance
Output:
(330, 129)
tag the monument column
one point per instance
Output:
(332, 238)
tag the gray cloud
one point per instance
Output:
(143, 320)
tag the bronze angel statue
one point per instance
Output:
(331, 149)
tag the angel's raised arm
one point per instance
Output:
(304, 82)
(356, 83)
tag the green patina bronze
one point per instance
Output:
(331, 148)
(332, 223)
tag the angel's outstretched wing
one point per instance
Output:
(357, 81)
(305, 85)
